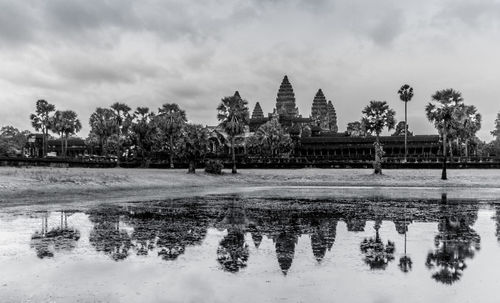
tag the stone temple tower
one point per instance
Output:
(257, 112)
(319, 110)
(285, 102)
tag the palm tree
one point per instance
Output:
(124, 120)
(272, 139)
(57, 127)
(144, 133)
(233, 116)
(406, 94)
(445, 115)
(471, 125)
(195, 144)
(171, 120)
(378, 116)
(40, 121)
(103, 126)
(72, 125)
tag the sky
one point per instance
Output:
(85, 54)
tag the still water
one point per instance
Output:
(234, 249)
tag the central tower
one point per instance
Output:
(285, 101)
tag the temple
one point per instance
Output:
(286, 110)
(319, 111)
(285, 101)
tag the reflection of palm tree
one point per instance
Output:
(233, 252)
(377, 255)
(106, 236)
(455, 243)
(405, 262)
(355, 224)
(45, 242)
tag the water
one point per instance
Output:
(234, 249)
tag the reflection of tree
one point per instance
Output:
(233, 252)
(322, 238)
(106, 235)
(405, 262)
(46, 242)
(355, 224)
(168, 228)
(455, 243)
(377, 255)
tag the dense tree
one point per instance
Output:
(40, 120)
(356, 129)
(470, 126)
(400, 129)
(123, 120)
(446, 114)
(496, 132)
(405, 95)
(12, 140)
(194, 144)
(270, 139)
(233, 115)
(171, 120)
(144, 134)
(377, 116)
(103, 126)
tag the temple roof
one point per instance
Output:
(257, 112)
(285, 101)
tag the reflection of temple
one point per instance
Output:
(167, 229)
(323, 238)
(46, 242)
(455, 243)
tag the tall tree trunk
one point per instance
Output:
(451, 150)
(234, 156)
(467, 149)
(443, 173)
(62, 144)
(406, 135)
(192, 167)
(378, 153)
(171, 152)
(66, 146)
(44, 142)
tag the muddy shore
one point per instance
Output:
(28, 186)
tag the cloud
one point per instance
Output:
(83, 54)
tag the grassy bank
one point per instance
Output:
(48, 185)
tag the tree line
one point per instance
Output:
(119, 130)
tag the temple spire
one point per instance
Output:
(319, 111)
(257, 112)
(285, 101)
(332, 117)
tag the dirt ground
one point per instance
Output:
(84, 185)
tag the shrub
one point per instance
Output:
(214, 167)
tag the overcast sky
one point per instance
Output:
(83, 54)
